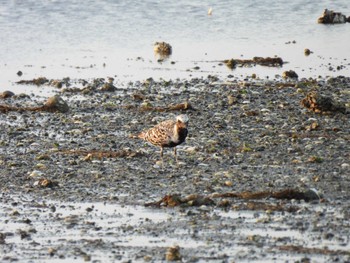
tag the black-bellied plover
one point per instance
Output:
(169, 133)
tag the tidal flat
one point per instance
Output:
(77, 186)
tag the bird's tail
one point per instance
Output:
(137, 136)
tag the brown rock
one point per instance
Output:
(307, 52)
(56, 103)
(173, 254)
(318, 103)
(108, 87)
(289, 74)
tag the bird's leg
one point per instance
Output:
(161, 154)
(175, 154)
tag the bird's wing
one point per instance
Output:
(159, 134)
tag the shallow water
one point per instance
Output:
(105, 231)
(85, 39)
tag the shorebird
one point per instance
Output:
(169, 133)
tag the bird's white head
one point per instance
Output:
(182, 118)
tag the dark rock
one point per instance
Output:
(307, 52)
(6, 94)
(268, 61)
(319, 103)
(231, 63)
(109, 87)
(56, 103)
(331, 17)
(38, 81)
(290, 74)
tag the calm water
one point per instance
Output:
(74, 38)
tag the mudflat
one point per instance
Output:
(260, 178)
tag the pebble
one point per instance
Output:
(345, 165)
(36, 173)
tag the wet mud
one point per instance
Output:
(260, 178)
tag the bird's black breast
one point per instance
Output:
(182, 134)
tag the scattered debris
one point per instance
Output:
(102, 154)
(321, 104)
(148, 107)
(53, 104)
(38, 81)
(45, 183)
(268, 61)
(331, 17)
(199, 200)
(263, 206)
(313, 250)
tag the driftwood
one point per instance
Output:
(313, 250)
(53, 104)
(198, 200)
(90, 154)
(38, 81)
(268, 61)
(175, 107)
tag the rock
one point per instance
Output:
(268, 61)
(345, 165)
(2, 239)
(331, 17)
(45, 183)
(307, 52)
(56, 83)
(231, 63)
(19, 73)
(319, 103)
(6, 94)
(289, 74)
(173, 254)
(163, 49)
(56, 103)
(108, 87)
(36, 173)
